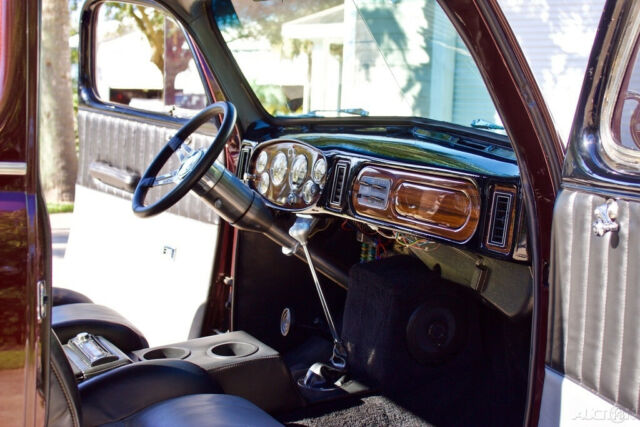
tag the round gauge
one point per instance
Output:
(263, 183)
(299, 170)
(309, 192)
(319, 170)
(261, 162)
(279, 168)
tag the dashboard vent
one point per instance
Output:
(338, 187)
(500, 216)
(243, 162)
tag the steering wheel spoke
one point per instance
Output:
(193, 163)
(167, 178)
(183, 151)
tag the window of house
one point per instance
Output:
(143, 60)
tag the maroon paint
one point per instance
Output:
(22, 252)
(538, 148)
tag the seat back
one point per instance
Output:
(64, 401)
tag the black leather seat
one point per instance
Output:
(74, 312)
(167, 393)
(70, 319)
(62, 296)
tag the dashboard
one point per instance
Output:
(464, 192)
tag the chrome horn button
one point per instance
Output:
(189, 164)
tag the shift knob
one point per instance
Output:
(301, 229)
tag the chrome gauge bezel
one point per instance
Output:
(261, 186)
(278, 158)
(314, 176)
(261, 162)
(298, 177)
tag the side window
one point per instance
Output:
(143, 60)
(625, 124)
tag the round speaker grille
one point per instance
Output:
(436, 330)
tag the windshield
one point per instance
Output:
(354, 58)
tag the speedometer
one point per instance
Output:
(279, 168)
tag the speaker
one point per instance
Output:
(436, 330)
(399, 319)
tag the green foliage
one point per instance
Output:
(272, 99)
(11, 359)
(54, 208)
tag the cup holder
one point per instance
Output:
(232, 349)
(166, 353)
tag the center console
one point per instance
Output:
(239, 363)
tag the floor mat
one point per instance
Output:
(356, 412)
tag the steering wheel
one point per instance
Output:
(193, 163)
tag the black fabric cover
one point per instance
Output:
(62, 296)
(63, 407)
(201, 410)
(382, 296)
(71, 319)
(123, 391)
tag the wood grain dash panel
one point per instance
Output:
(427, 202)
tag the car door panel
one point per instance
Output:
(593, 333)
(565, 402)
(130, 145)
(593, 346)
(154, 256)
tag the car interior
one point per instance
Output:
(371, 265)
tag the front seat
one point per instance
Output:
(167, 393)
(73, 313)
(63, 296)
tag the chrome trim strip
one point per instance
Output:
(615, 155)
(13, 168)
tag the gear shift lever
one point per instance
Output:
(300, 231)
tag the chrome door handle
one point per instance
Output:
(606, 215)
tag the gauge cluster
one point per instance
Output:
(289, 174)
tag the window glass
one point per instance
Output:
(625, 124)
(143, 60)
(355, 58)
(556, 38)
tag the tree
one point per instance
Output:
(169, 50)
(58, 159)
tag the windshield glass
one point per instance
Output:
(341, 58)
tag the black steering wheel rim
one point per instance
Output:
(186, 183)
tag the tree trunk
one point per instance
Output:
(58, 159)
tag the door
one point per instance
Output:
(593, 348)
(139, 81)
(24, 272)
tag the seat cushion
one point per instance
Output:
(71, 319)
(124, 391)
(62, 296)
(201, 410)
